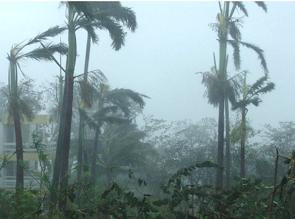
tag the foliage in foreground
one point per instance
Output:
(249, 198)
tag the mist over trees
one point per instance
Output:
(99, 156)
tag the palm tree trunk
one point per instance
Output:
(243, 142)
(222, 74)
(227, 146)
(220, 149)
(94, 155)
(80, 156)
(60, 174)
(19, 185)
(82, 124)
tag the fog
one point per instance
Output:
(173, 41)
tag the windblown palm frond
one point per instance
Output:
(251, 94)
(89, 88)
(125, 99)
(259, 52)
(213, 87)
(236, 53)
(234, 30)
(121, 14)
(241, 6)
(46, 53)
(262, 5)
(110, 16)
(27, 103)
(112, 10)
(114, 28)
(51, 32)
(216, 86)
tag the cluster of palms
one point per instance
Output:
(222, 89)
(98, 104)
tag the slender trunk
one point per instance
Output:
(87, 55)
(13, 92)
(220, 149)
(80, 156)
(94, 155)
(227, 146)
(19, 185)
(243, 142)
(82, 124)
(60, 174)
(222, 74)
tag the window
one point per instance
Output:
(9, 133)
(10, 168)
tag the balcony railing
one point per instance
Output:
(10, 147)
(8, 182)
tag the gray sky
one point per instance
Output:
(172, 42)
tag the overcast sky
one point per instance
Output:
(172, 42)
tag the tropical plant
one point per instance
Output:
(250, 95)
(121, 148)
(219, 90)
(89, 16)
(112, 106)
(19, 103)
(227, 28)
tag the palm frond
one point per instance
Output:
(232, 87)
(120, 94)
(83, 8)
(121, 14)
(241, 6)
(236, 53)
(262, 5)
(88, 26)
(115, 30)
(255, 101)
(51, 32)
(265, 89)
(87, 92)
(257, 85)
(213, 87)
(234, 30)
(259, 52)
(47, 52)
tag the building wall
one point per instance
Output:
(7, 149)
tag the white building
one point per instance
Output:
(31, 161)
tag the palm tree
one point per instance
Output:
(250, 94)
(89, 16)
(219, 88)
(130, 21)
(227, 27)
(122, 148)
(17, 105)
(113, 106)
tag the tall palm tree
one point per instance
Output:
(227, 27)
(89, 16)
(18, 106)
(219, 88)
(249, 95)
